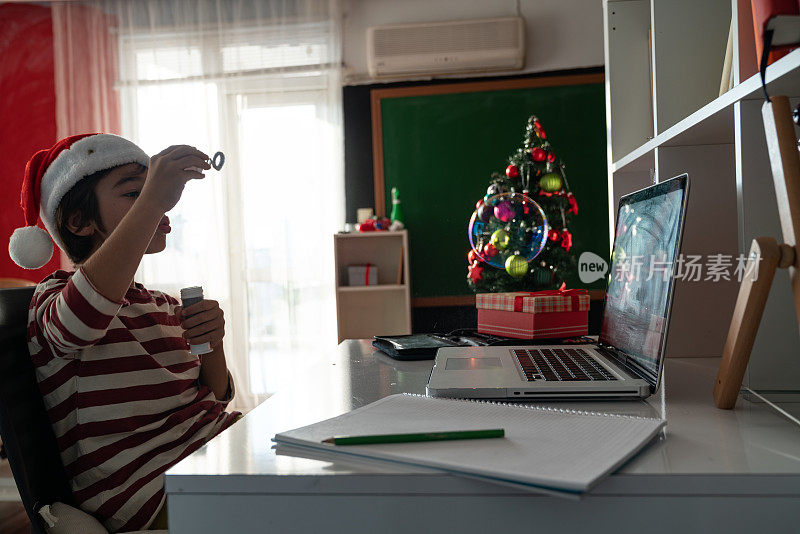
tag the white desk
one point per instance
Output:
(715, 471)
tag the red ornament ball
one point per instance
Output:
(538, 154)
(551, 157)
(512, 171)
(490, 250)
(554, 235)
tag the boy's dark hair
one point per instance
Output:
(81, 201)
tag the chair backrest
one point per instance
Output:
(24, 425)
(15, 282)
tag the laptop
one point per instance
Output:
(627, 360)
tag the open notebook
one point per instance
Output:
(544, 447)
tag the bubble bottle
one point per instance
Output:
(189, 296)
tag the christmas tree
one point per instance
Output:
(520, 230)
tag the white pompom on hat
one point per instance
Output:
(49, 175)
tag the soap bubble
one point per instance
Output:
(523, 233)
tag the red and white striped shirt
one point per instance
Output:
(122, 393)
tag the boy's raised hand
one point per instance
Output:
(167, 175)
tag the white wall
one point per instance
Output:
(559, 34)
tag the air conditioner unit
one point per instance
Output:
(446, 47)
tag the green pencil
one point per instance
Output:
(422, 436)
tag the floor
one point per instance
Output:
(13, 519)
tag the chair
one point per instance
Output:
(15, 282)
(24, 426)
(12, 282)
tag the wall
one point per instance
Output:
(27, 106)
(559, 34)
(358, 163)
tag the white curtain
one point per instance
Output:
(260, 81)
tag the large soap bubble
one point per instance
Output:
(506, 225)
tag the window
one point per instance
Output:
(258, 234)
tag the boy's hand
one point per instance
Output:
(167, 176)
(203, 322)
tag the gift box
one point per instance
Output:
(362, 275)
(537, 315)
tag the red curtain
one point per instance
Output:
(27, 108)
(42, 99)
(86, 69)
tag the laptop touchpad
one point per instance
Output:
(466, 364)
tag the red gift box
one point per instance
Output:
(537, 315)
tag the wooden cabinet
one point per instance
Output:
(374, 310)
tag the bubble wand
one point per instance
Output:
(217, 162)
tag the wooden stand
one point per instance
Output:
(376, 310)
(766, 255)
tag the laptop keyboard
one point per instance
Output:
(560, 365)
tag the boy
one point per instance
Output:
(125, 398)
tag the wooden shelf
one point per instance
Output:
(378, 287)
(665, 117)
(381, 309)
(377, 233)
(713, 123)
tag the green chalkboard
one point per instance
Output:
(440, 150)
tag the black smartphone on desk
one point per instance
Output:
(424, 346)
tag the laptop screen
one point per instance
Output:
(646, 245)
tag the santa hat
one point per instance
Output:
(49, 175)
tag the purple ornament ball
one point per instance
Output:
(504, 211)
(485, 213)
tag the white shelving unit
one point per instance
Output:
(383, 309)
(664, 61)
